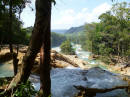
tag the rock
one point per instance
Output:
(94, 82)
(23, 49)
(93, 56)
(60, 64)
(69, 82)
(113, 64)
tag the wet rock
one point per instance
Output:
(69, 82)
(93, 56)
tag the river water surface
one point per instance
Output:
(6, 70)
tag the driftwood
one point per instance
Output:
(58, 60)
(57, 56)
(5, 57)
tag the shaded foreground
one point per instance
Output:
(94, 82)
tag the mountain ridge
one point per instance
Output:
(60, 31)
(75, 29)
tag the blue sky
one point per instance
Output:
(70, 13)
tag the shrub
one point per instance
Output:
(67, 48)
(23, 90)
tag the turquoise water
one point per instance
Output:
(6, 70)
(84, 55)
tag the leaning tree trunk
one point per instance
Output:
(43, 8)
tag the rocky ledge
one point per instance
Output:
(94, 82)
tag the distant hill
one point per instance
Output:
(60, 31)
(75, 29)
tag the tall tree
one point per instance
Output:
(14, 56)
(11, 7)
(110, 37)
(40, 35)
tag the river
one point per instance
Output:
(6, 70)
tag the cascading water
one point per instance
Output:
(81, 54)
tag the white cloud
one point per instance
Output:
(101, 9)
(28, 15)
(69, 18)
(66, 18)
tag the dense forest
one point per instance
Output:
(111, 36)
(22, 35)
(57, 39)
(18, 35)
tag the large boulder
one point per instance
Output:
(94, 82)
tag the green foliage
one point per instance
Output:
(25, 90)
(18, 35)
(67, 48)
(57, 39)
(111, 36)
(4, 81)
(76, 37)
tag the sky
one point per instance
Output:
(70, 13)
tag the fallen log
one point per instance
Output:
(5, 57)
(55, 55)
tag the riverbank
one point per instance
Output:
(79, 59)
(121, 67)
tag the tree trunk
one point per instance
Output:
(0, 45)
(17, 49)
(45, 80)
(40, 33)
(14, 56)
(118, 51)
(10, 26)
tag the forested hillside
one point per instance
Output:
(75, 30)
(111, 36)
(57, 39)
(60, 31)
